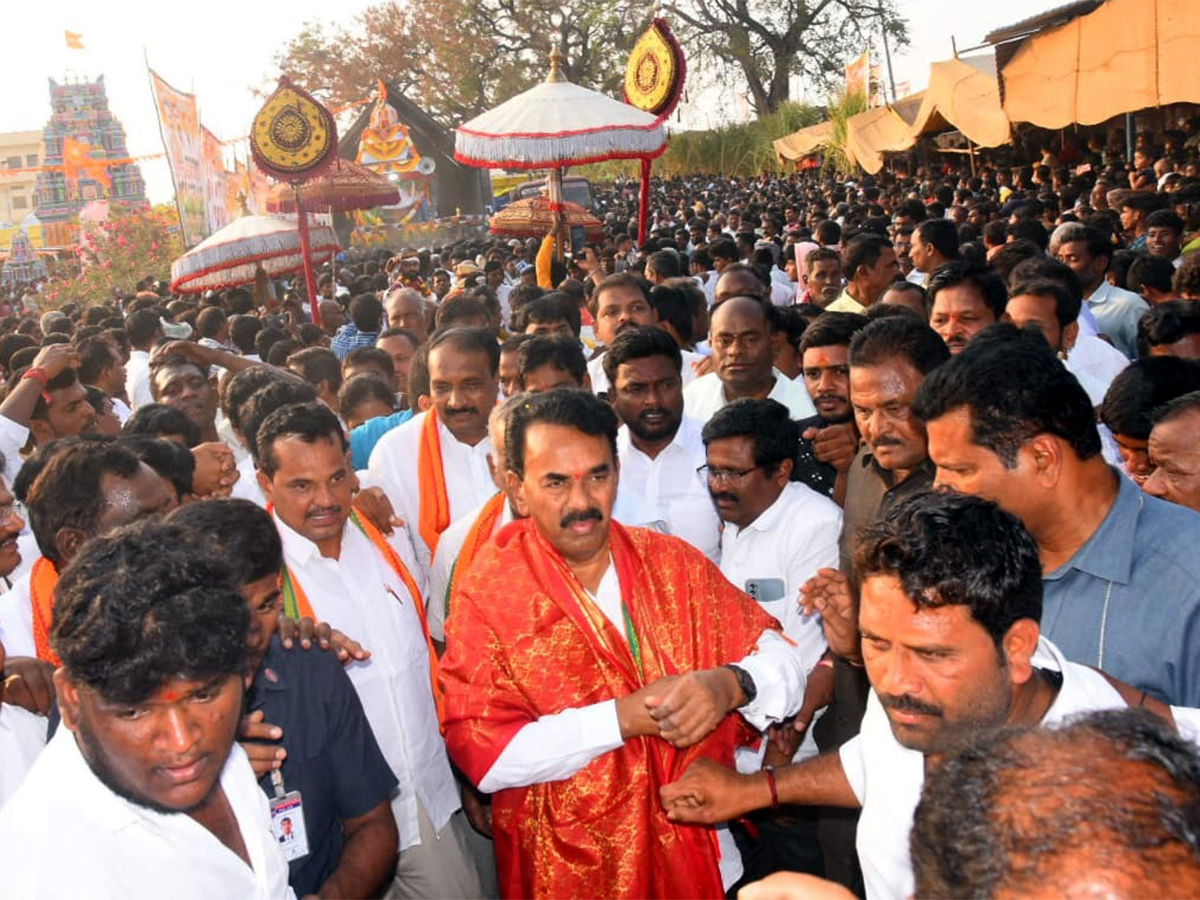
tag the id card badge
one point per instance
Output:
(287, 820)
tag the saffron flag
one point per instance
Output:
(179, 120)
(858, 74)
(74, 40)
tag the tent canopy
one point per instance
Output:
(804, 142)
(963, 94)
(877, 131)
(1125, 56)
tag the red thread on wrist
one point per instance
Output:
(770, 770)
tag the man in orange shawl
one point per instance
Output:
(588, 663)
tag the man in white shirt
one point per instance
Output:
(659, 448)
(339, 568)
(434, 466)
(142, 791)
(778, 534)
(620, 301)
(581, 740)
(950, 603)
(742, 364)
(145, 332)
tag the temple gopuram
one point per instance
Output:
(88, 142)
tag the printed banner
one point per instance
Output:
(179, 120)
(215, 188)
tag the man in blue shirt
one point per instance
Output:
(306, 721)
(1006, 421)
(366, 317)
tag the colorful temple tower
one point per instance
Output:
(88, 141)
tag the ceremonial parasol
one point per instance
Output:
(533, 217)
(558, 124)
(234, 254)
(344, 186)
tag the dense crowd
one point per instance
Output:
(838, 539)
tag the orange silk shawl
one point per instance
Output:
(522, 643)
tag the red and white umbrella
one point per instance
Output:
(556, 124)
(234, 254)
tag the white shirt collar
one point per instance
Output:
(295, 545)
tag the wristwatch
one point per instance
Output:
(749, 688)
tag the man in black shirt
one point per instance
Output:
(829, 439)
(305, 720)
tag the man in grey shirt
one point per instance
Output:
(1121, 570)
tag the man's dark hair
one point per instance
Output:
(676, 307)
(239, 387)
(1042, 267)
(469, 340)
(832, 329)
(1011, 255)
(569, 407)
(911, 209)
(145, 605)
(370, 356)
(209, 322)
(1165, 218)
(863, 250)
(763, 279)
(987, 284)
(899, 337)
(168, 459)
(96, 355)
(941, 234)
(366, 312)
(558, 351)
(309, 422)
(1066, 305)
(460, 308)
(240, 301)
(1015, 388)
(1001, 814)
(243, 331)
(10, 344)
(318, 364)
(67, 492)
(1141, 387)
(666, 264)
(1029, 230)
(724, 248)
(776, 436)
(281, 350)
(1150, 271)
(141, 327)
(266, 339)
(405, 333)
(546, 310)
(360, 389)
(951, 549)
(820, 253)
(1167, 323)
(827, 232)
(639, 342)
(158, 420)
(240, 531)
(265, 401)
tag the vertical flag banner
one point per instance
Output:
(74, 40)
(179, 122)
(858, 74)
(215, 187)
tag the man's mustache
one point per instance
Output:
(461, 411)
(718, 496)
(905, 703)
(323, 511)
(583, 515)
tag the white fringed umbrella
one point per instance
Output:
(233, 255)
(558, 124)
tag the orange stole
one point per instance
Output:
(304, 606)
(522, 645)
(42, 581)
(433, 515)
(480, 534)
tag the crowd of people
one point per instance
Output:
(836, 540)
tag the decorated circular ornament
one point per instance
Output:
(293, 136)
(656, 70)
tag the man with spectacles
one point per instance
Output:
(778, 534)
